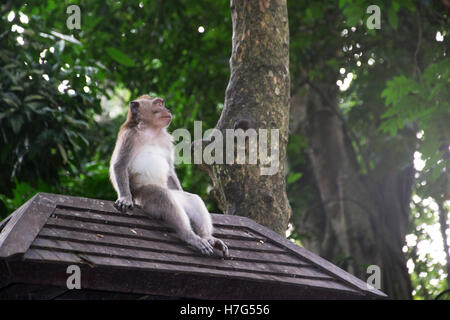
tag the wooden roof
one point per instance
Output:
(134, 254)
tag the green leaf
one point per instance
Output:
(293, 177)
(76, 122)
(398, 88)
(156, 64)
(16, 123)
(393, 18)
(354, 13)
(342, 3)
(63, 153)
(120, 57)
(10, 102)
(33, 97)
(16, 88)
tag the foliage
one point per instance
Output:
(37, 119)
(61, 142)
(428, 276)
(425, 102)
(130, 45)
(397, 88)
(92, 179)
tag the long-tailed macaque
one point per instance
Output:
(142, 173)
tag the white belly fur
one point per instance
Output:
(150, 166)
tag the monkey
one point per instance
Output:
(142, 173)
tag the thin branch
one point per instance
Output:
(443, 214)
(444, 227)
(441, 294)
(419, 43)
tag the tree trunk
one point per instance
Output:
(361, 220)
(443, 214)
(257, 97)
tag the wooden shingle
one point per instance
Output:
(134, 256)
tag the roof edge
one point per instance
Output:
(25, 223)
(316, 259)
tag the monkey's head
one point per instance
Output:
(151, 111)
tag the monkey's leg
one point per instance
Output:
(200, 218)
(158, 201)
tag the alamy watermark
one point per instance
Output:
(231, 148)
(374, 280)
(374, 20)
(74, 280)
(74, 19)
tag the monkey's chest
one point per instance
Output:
(150, 166)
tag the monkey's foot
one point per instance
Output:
(203, 245)
(219, 244)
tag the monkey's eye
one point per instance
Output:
(156, 111)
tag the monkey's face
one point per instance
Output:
(152, 111)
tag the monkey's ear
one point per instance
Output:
(134, 106)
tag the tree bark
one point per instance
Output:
(363, 219)
(443, 214)
(257, 97)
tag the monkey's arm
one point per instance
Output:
(173, 182)
(122, 180)
(120, 176)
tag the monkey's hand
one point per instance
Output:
(123, 204)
